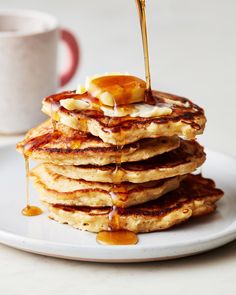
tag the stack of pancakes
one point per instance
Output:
(99, 172)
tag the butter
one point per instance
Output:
(146, 111)
(74, 104)
(137, 110)
(106, 98)
(178, 103)
(115, 89)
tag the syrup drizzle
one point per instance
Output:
(116, 235)
(29, 210)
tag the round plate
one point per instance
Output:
(44, 236)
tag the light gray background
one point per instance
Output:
(193, 49)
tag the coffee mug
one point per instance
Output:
(28, 66)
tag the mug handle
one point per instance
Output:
(73, 62)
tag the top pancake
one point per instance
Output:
(186, 120)
(67, 146)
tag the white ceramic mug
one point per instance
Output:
(28, 66)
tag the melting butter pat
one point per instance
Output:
(137, 110)
(115, 90)
(74, 104)
(146, 111)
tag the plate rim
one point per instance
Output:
(27, 243)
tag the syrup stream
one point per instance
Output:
(141, 5)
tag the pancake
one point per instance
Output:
(195, 197)
(58, 189)
(67, 146)
(186, 119)
(183, 160)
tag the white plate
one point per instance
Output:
(43, 236)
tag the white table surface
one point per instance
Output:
(211, 273)
(193, 49)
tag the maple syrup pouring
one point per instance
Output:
(141, 5)
(29, 210)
